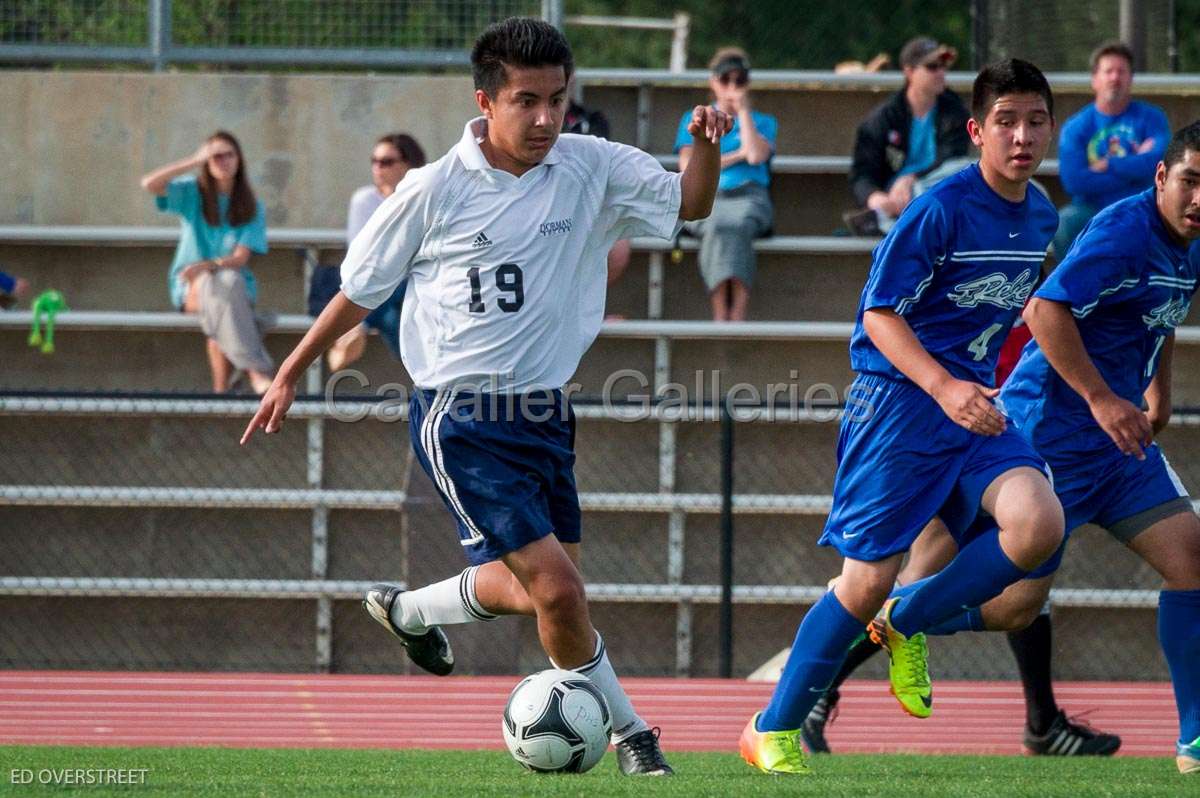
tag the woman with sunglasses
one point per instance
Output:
(391, 158)
(221, 225)
(742, 211)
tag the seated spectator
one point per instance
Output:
(392, 157)
(581, 121)
(742, 210)
(11, 289)
(1110, 149)
(222, 224)
(909, 142)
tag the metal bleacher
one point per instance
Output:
(649, 479)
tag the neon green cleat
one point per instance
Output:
(1187, 757)
(778, 752)
(908, 663)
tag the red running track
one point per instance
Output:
(282, 710)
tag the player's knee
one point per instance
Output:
(559, 595)
(1013, 618)
(865, 593)
(1038, 531)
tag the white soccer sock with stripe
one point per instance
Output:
(625, 721)
(450, 601)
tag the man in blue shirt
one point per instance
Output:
(1109, 150)
(924, 438)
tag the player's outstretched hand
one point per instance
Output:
(707, 122)
(969, 405)
(1125, 423)
(272, 409)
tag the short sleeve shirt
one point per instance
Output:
(198, 240)
(507, 274)
(739, 174)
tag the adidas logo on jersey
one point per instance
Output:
(481, 241)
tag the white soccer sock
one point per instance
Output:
(625, 722)
(450, 601)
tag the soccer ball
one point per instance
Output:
(557, 722)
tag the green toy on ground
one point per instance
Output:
(46, 306)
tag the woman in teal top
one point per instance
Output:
(221, 225)
(742, 210)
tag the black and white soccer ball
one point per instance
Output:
(557, 722)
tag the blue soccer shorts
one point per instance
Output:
(902, 461)
(503, 465)
(1105, 487)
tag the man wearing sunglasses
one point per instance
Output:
(910, 141)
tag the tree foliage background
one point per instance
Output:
(779, 34)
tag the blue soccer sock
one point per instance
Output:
(825, 635)
(962, 621)
(970, 620)
(1179, 636)
(980, 572)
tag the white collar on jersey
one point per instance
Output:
(472, 156)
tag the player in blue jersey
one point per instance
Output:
(503, 242)
(945, 287)
(1103, 326)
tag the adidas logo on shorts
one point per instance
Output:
(481, 241)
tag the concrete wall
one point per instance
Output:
(73, 144)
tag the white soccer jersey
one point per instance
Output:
(507, 274)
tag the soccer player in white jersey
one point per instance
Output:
(503, 241)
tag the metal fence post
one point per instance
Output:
(552, 12)
(725, 626)
(1132, 24)
(160, 32)
(679, 39)
(979, 34)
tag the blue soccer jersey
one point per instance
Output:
(958, 266)
(1129, 286)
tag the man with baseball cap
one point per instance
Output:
(904, 143)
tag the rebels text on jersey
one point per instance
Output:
(507, 274)
(1128, 286)
(958, 266)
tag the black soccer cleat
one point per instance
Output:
(430, 650)
(812, 731)
(1066, 737)
(639, 754)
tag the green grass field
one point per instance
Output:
(226, 772)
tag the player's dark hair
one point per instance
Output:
(1112, 47)
(1012, 76)
(408, 148)
(517, 42)
(1186, 138)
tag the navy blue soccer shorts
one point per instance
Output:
(902, 461)
(507, 476)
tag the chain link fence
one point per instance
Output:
(139, 535)
(779, 34)
(1059, 36)
(356, 33)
